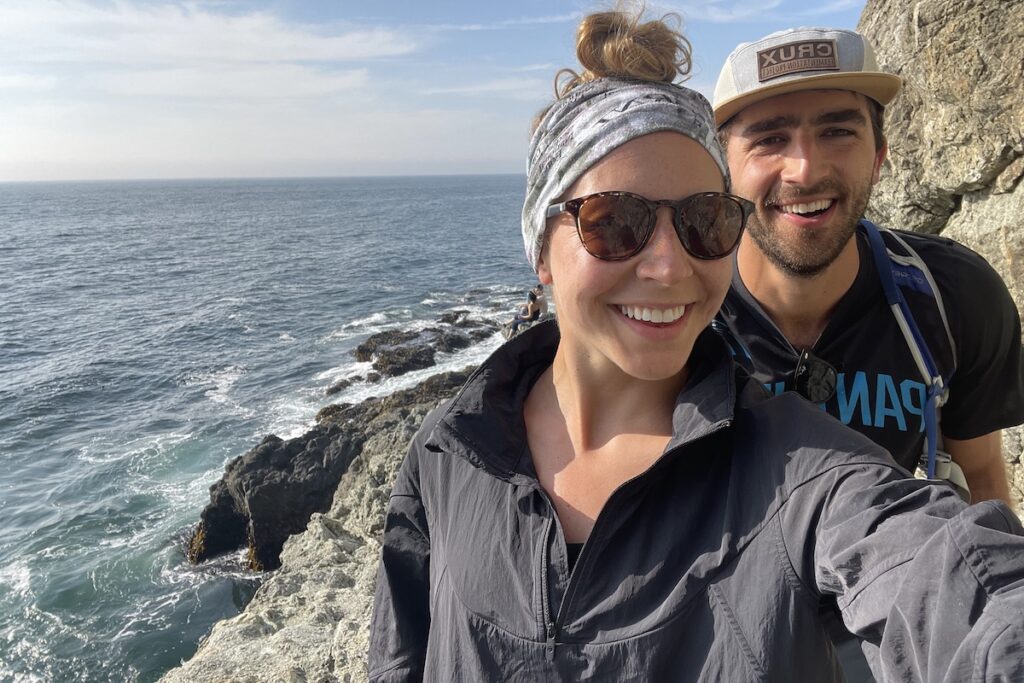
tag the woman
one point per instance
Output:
(609, 498)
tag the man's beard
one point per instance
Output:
(808, 253)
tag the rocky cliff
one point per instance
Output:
(308, 621)
(956, 137)
(956, 134)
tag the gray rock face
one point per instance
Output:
(309, 620)
(956, 134)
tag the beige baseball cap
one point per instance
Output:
(800, 59)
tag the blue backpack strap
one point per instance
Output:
(913, 278)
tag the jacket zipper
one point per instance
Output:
(554, 623)
(550, 631)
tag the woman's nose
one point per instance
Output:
(664, 258)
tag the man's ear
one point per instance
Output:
(880, 156)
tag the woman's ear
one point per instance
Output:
(543, 272)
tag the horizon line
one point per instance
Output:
(267, 177)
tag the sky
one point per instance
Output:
(132, 89)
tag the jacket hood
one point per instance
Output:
(489, 407)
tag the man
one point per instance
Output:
(536, 307)
(800, 113)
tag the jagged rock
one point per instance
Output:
(453, 317)
(483, 332)
(393, 362)
(396, 352)
(269, 493)
(308, 621)
(956, 135)
(338, 387)
(331, 413)
(447, 341)
(383, 340)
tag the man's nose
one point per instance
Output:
(802, 161)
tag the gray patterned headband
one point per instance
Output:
(591, 121)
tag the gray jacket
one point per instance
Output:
(709, 566)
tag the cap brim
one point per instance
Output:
(881, 87)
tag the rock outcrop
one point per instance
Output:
(270, 492)
(308, 621)
(956, 134)
(396, 352)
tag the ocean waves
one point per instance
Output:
(152, 332)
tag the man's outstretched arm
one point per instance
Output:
(981, 460)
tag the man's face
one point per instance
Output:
(808, 161)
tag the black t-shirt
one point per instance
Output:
(531, 298)
(879, 390)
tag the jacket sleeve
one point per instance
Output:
(934, 588)
(401, 608)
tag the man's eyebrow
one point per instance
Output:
(792, 121)
(841, 116)
(774, 123)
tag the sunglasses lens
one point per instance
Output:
(814, 379)
(614, 226)
(710, 225)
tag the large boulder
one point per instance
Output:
(396, 352)
(270, 492)
(956, 134)
(309, 620)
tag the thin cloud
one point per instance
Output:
(533, 67)
(507, 23)
(26, 82)
(74, 31)
(726, 12)
(231, 82)
(831, 8)
(720, 12)
(517, 88)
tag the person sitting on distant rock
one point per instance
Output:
(612, 498)
(536, 306)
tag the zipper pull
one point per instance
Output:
(551, 641)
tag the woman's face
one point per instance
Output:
(600, 303)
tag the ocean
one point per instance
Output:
(150, 331)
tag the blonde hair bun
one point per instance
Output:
(618, 44)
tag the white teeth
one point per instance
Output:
(654, 315)
(809, 207)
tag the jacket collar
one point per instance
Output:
(484, 422)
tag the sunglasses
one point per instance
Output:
(814, 379)
(615, 226)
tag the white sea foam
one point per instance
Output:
(220, 383)
(346, 371)
(473, 355)
(17, 576)
(292, 415)
(8, 674)
(101, 450)
(223, 380)
(377, 322)
(228, 566)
